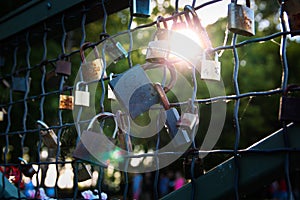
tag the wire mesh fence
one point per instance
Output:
(30, 91)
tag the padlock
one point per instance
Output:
(178, 136)
(141, 8)
(123, 132)
(26, 168)
(84, 171)
(292, 8)
(95, 147)
(159, 48)
(210, 69)
(82, 98)
(63, 67)
(48, 136)
(91, 70)
(289, 106)
(19, 84)
(189, 118)
(187, 167)
(110, 93)
(66, 102)
(241, 18)
(135, 91)
(114, 49)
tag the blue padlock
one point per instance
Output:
(141, 8)
(19, 84)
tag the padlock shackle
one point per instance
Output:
(82, 82)
(82, 48)
(101, 116)
(40, 122)
(161, 19)
(163, 97)
(198, 26)
(247, 2)
(172, 71)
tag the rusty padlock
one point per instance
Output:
(123, 132)
(187, 166)
(49, 138)
(289, 109)
(66, 102)
(135, 91)
(141, 8)
(158, 49)
(91, 70)
(20, 84)
(95, 147)
(241, 18)
(26, 168)
(82, 98)
(63, 66)
(210, 69)
(292, 8)
(178, 136)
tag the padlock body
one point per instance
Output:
(241, 20)
(289, 109)
(178, 136)
(141, 8)
(63, 67)
(294, 23)
(92, 70)
(116, 51)
(198, 168)
(1, 116)
(210, 70)
(66, 102)
(82, 98)
(94, 148)
(188, 120)
(49, 139)
(134, 91)
(19, 84)
(157, 51)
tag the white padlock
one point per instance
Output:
(110, 93)
(82, 98)
(210, 69)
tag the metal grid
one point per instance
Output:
(25, 131)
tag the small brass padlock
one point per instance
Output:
(289, 106)
(82, 98)
(210, 69)
(178, 136)
(63, 67)
(141, 8)
(292, 9)
(48, 136)
(159, 48)
(66, 102)
(241, 18)
(96, 147)
(20, 84)
(187, 167)
(91, 70)
(189, 118)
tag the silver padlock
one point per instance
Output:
(141, 8)
(178, 135)
(95, 147)
(114, 49)
(241, 18)
(159, 48)
(292, 8)
(110, 93)
(210, 69)
(48, 136)
(91, 70)
(189, 118)
(82, 98)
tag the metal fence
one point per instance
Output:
(34, 75)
